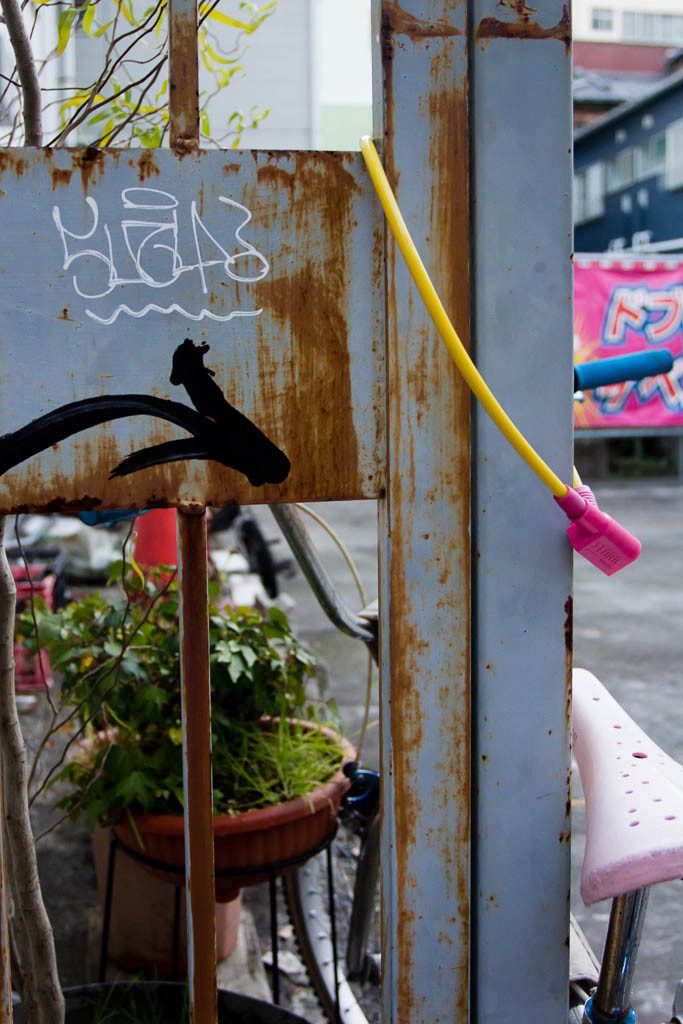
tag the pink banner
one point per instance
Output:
(621, 308)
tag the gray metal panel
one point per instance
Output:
(523, 288)
(424, 530)
(304, 248)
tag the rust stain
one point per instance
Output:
(569, 626)
(96, 452)
(10, 161)
(232, 168)
(90, 163)
(61, 176)
(273, 175)
(402, 23)
(423, 387)
(524, 26)
(518, 7)
(147, 165)
(311, 302)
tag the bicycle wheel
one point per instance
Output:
(357, 917)
(257, 551)
(356, 876)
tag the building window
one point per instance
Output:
(651, 157)
(589, 193)
(650, 27)
(641, 238)
(620, 170)
(603, 20)
(673, 168)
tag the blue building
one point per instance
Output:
(628, 175)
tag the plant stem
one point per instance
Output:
(43, 1001)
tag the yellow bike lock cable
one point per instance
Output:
(592, 532)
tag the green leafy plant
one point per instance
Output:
(119, 665)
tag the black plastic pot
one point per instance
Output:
(170, 997)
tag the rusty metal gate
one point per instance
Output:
(329, 382)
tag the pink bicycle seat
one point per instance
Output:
(634, 798)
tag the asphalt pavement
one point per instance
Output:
(627, 631)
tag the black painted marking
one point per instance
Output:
(220, 432)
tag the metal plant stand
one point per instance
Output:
(272, 871)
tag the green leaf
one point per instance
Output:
(205, 123)
(88, 18)
(225, 19)
(133, 787)
(236, 667)
(277, 616)
(218, 57)
(64, 30)
(107, 130)
(150, 137)
(126, 11)
(249, 655)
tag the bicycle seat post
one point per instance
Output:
(612, 1000)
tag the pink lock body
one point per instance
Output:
(595, 535)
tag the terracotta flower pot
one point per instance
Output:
(142, 917)
(253, 841)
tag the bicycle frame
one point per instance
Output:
(339, 614)
(612, 1000)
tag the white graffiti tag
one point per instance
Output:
(149, 245)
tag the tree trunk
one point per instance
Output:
(42, 996)
(31, 931)
(26, 69)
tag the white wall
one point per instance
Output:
(278, 75)
(344, 52)
(582, 18)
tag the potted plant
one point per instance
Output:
(157, 1003)
(277, 767)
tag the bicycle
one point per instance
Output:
(597, 995)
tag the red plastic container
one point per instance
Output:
(28, 677)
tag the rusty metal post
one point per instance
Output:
(183, 74)
(424, 528)
(194, 608)
(197, 781)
